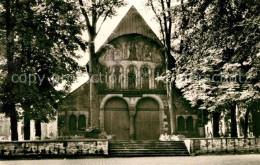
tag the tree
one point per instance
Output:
(41, 40)
(219, 65)
(9, 107)
(94, 12)
(165, 13)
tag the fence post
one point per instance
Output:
(244, 144)
(234, 145)
(256, 145)
(226, 145)
(221, 145)
(37, 148)
(191, 147)
(212, 151)
(24, 148)
(207, 144)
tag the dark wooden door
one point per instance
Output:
(147, 120)
(117, 119)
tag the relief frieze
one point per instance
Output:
(131, 49)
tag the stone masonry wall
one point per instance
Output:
(53, 148)
(224, 145)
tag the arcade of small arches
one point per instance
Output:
(77, 122)
(133, 77)
(186, 123)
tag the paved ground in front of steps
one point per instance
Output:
(197, 160)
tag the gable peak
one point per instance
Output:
(132, 23)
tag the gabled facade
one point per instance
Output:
(132, 103)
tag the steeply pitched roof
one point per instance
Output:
(132, 23)
(81, 93)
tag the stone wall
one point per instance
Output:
(76, 103)
(78, 100)
(224, 145)
(4, 127)
(53, 148)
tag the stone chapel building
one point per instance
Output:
(132, 103)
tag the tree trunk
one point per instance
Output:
(246, 123)
(9, 104)
(13, 118)
(216, 116)
(256, 120)
(169, 89)
(38, 130)
(170, 64)
(27, 129)
(233, 120)
(255, 111)
(171, 111)
(94, 109)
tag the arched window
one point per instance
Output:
(131, 77)
(82, 123)
(158, 73)
(189, 124)
(103, 79)
(72, 123)
(132, 51)
(117, 77)
(145, 77)
(181, 123)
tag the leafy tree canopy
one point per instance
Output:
(219, 63)
(44, 37)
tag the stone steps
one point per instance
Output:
(147, 148)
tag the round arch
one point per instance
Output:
(82, 123)
(181, 123)
(117, 82)
(189, 123)
(145, 74)
(72, 123)
(155, 97)
(147, 103)
(115, 103)
(110, 96)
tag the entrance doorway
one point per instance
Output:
(117, 119)
(147, 120)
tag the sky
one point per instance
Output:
(108, 27)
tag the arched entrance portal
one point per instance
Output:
(117, 118)
(147, 120)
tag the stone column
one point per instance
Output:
(132, 112)
(138, 78)
(132, 129)
(77, 121)
(101, 119)
(152, 79)
(194, 123)
(161, 121)
(185, 123)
